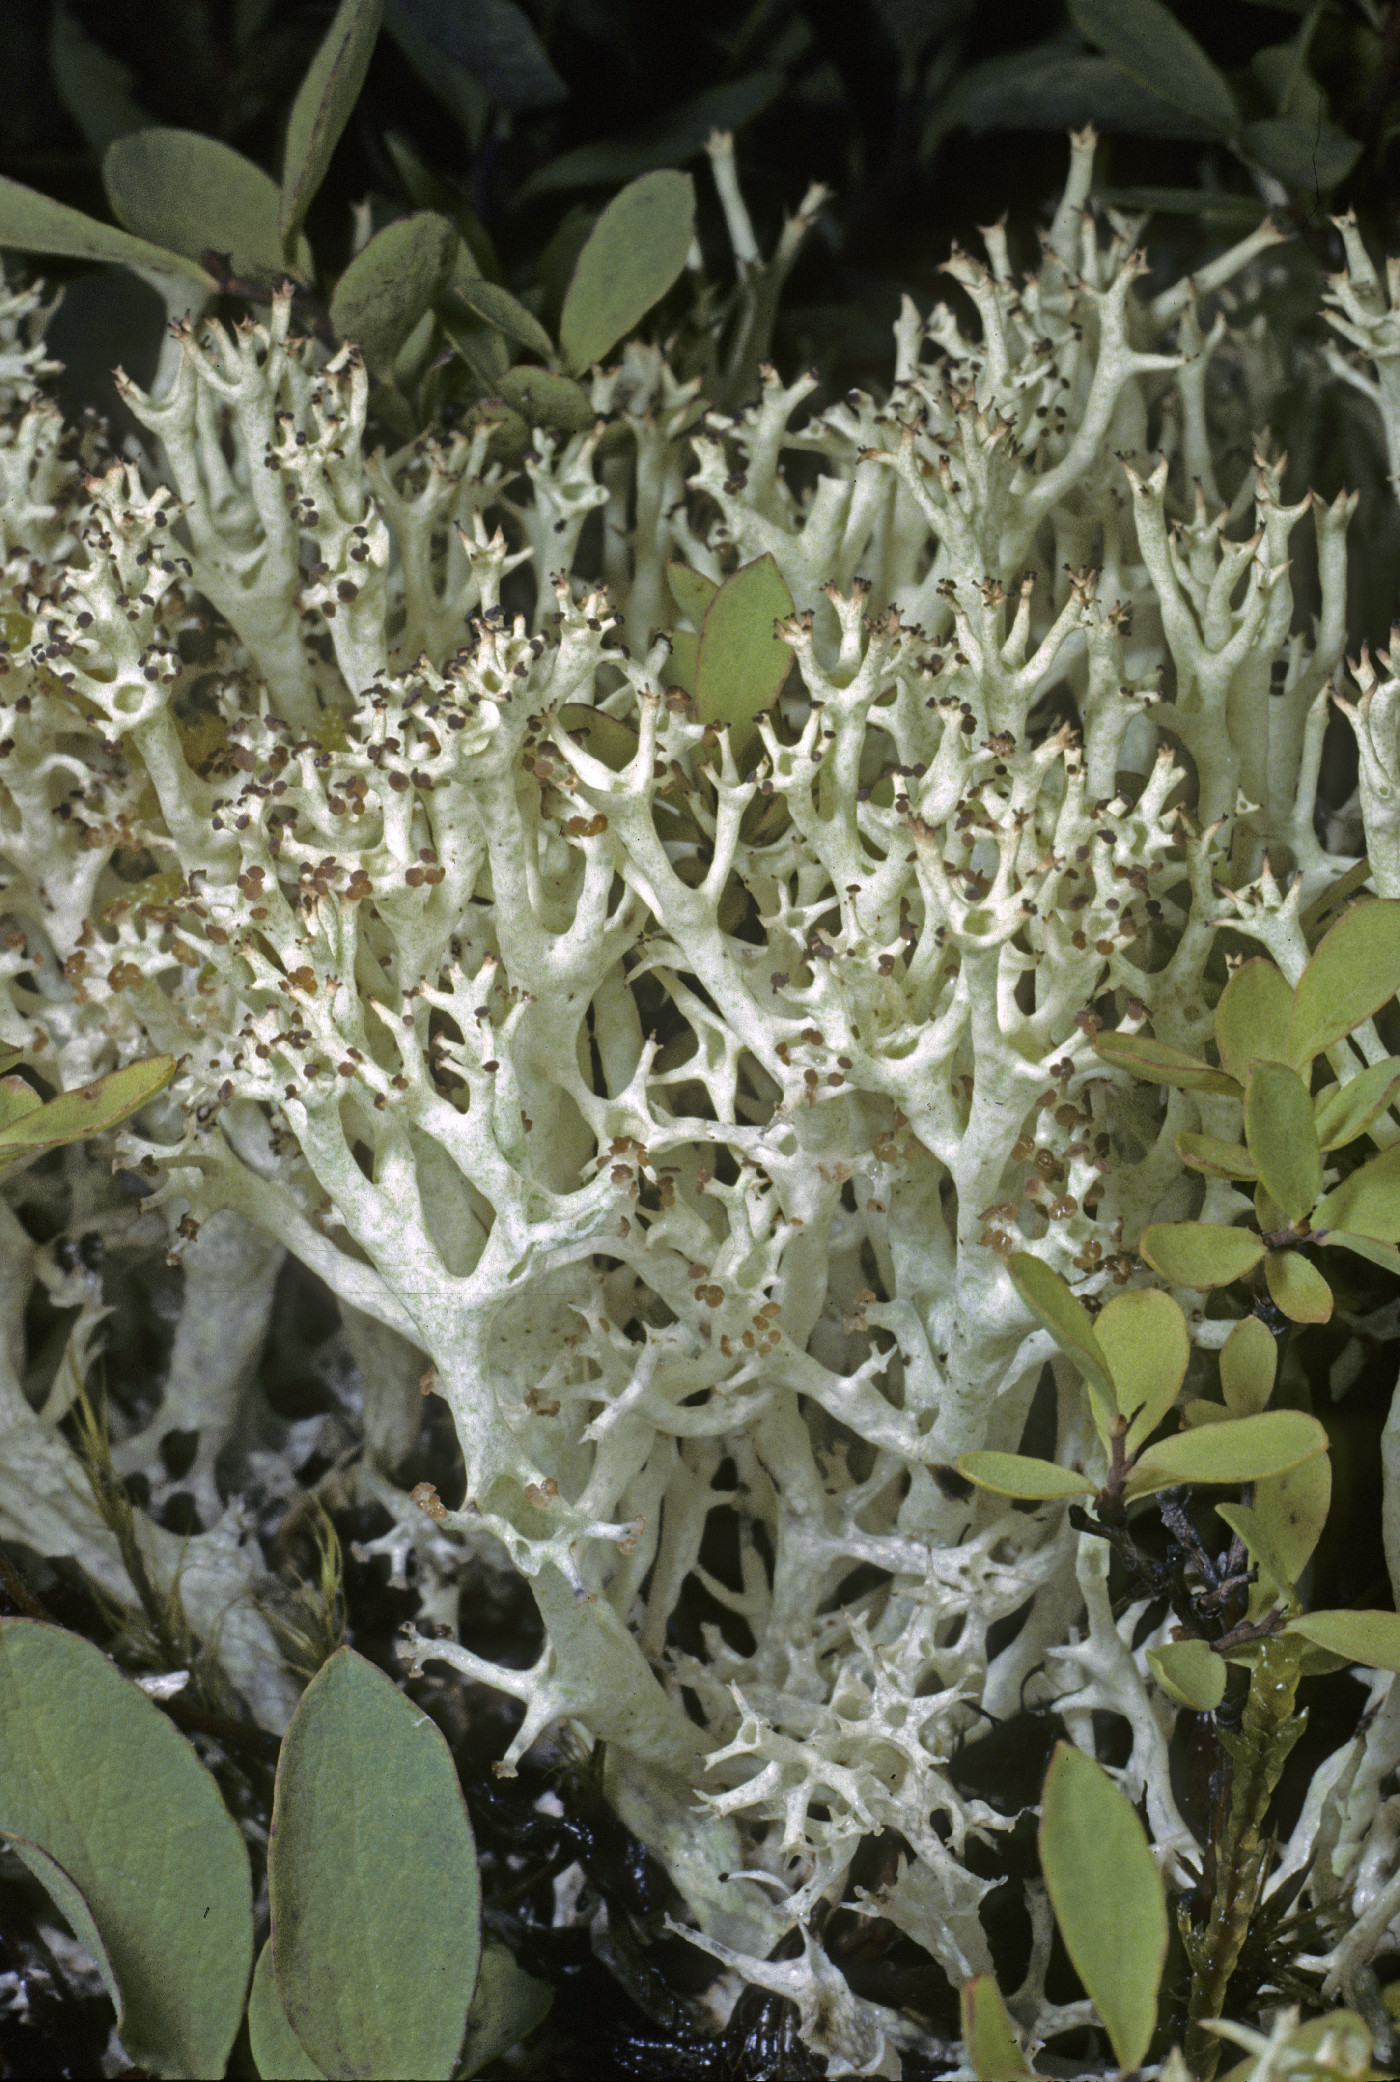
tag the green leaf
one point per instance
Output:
(1191, 1673)
(667, 140)
(1216, 1157)
(1258, 1538)
(607, 737)
(1344, 1111)
(544, 399)
(35, 223)
(634, 253)
(1157, 1062)
(499, 308)
(741, 664)
(1019, 1474)
(372, 1880)
(1147, 40)
(1372, 1638)
(493, 41)
(278, 2053)
(1293, 1509)
(1197, 1410)
(1048, 1298)
(1368, 1202)
(993, 2049)
(691, 590)
(1142, 1334)
(322, 109)
(1050, 87)
(1248, 1363)
(507, 2006)
(1308, 155)
(1297, 1287)
(16, 1100)
(1243, 1449)
(1200, 1254)
(90, 1110)
(391, 283)
(94, 1776)
(1116, 1934)
(1383, 1254)
(1355, 971)
(194, 195)
(1252, 1017)
(1278, 1125)
(94, 87)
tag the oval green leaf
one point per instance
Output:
(1355, 971)
(1216, 1157)
(1278, 1125)
(1252, 1017)
(633, 254)
(1115, 1932)
(1145, 38)
(1372, 1638)
(278, 2053)
(506, 2008)
(391, 283)
(95, 1777)
(372, 1880)
(195, 195)
(1344, 1111)
(35, 223)
(1191, 1673)
(741, 663)
(1292, 1508)
(1243, 1449)
(1248, 1364)
(90, 1110)
(1382, 1254)
(1157, 1062)
(322, 108)
(1142, 1334)
(544, 399)
(993, 2049)
(1368, 1202)
(1019, 1474)
(691, 590)
(16, 1100)
(1200, 1254)
(498, 307)
(1259, 1541)
(1048, 1297)
(1297, 1287)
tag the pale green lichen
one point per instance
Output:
(678, 1107)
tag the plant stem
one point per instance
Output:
(1268, 1730)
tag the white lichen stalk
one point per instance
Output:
(682, 1116)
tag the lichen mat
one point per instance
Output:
(676, 1092)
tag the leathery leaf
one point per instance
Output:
(1143, 1336)
(1278, 1124)
(1242, 1449)
(115, 1814)
(1248, 1363)
(372, 1880)
(993, 2050)
(1107, 1895)
(1355, 971)
(1252, 1017)
(741, 663)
